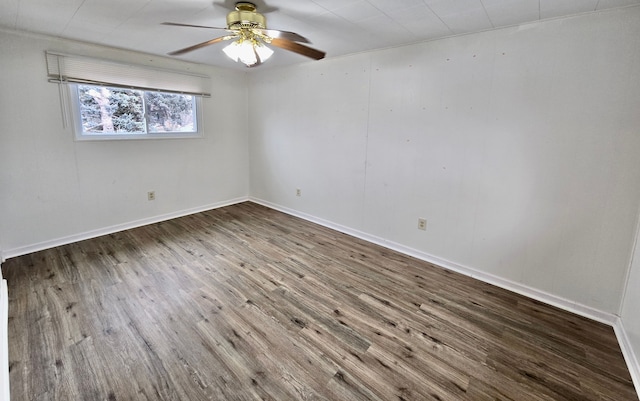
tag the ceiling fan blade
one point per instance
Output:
(199, 45)
(193, 26)
(298, 48)
(274, 33)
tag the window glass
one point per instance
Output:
(169, 112)
(109, 112)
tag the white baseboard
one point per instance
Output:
(627, 350)
(116, 228)
(542, 296)
(4, 341)
(4, 302)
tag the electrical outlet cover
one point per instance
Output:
(422, 224)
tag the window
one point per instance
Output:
(113, 100)
(103, 112)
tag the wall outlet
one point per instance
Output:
(151, 195)
(298, 192)
(422, 224)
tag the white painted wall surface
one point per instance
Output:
(519, 146)
(52, 187)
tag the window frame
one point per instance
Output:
(80, 135)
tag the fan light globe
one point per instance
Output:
(248, 52)
(263, 52)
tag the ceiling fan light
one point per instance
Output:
(247, 55)
(249, 52)
(241, 50)
(263, 52)
(232, 51)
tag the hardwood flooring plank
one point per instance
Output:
(247, 303)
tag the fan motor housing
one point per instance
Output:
(245, 16)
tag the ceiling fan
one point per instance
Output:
(248, 30)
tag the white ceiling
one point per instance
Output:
(336, 26)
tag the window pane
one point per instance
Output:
(169, 112)
(105, 112)
(111, 110)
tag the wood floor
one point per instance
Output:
(246, 303)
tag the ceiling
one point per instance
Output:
(338, 27)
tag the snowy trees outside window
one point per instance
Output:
(121, 111)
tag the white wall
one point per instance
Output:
(52, 187)
(519, 146)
